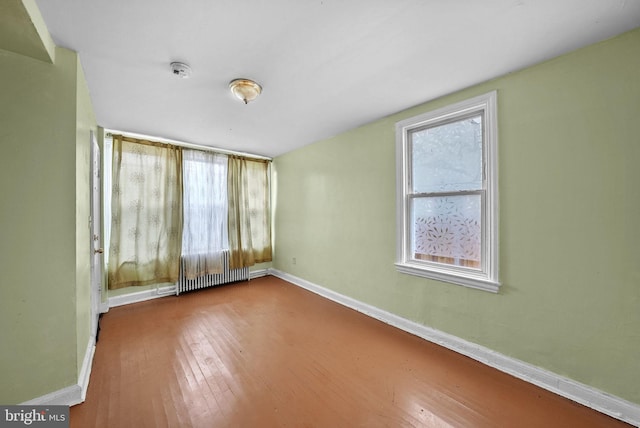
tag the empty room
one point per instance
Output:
(320, 214)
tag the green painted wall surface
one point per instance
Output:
(85, 123)
(38, 225)
(569, 151)
(23, 31)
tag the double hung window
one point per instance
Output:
(205, 212)
(447, 194)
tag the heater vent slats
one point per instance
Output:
(227, 276)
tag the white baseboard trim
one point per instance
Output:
(74, 394)
(141, 296)
(253, 274)
(586, 395)
(85, 371)
(66, 396)
(104, 307)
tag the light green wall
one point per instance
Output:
(42, 256)
(23, 31)
(569, 152)
(260, 266)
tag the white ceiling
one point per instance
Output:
(326, 66)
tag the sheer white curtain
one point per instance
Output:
(205, 207)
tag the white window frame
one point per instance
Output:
(485, 278)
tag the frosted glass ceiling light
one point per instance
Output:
(245, 89)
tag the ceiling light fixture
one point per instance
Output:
(245, 89)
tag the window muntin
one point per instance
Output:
(447, 194)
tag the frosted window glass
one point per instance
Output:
(448, 157)
(447, 229)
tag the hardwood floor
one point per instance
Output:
(269, 354)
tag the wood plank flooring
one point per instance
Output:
(269, 354)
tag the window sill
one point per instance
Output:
(465, 279)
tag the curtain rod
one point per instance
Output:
(112, 132)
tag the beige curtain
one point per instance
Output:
(249, 220)
(146, 211)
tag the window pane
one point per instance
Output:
(447, 229)
(447, 157)
(204, 202)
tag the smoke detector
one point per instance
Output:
(181, 70)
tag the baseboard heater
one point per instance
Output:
(204, 281)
